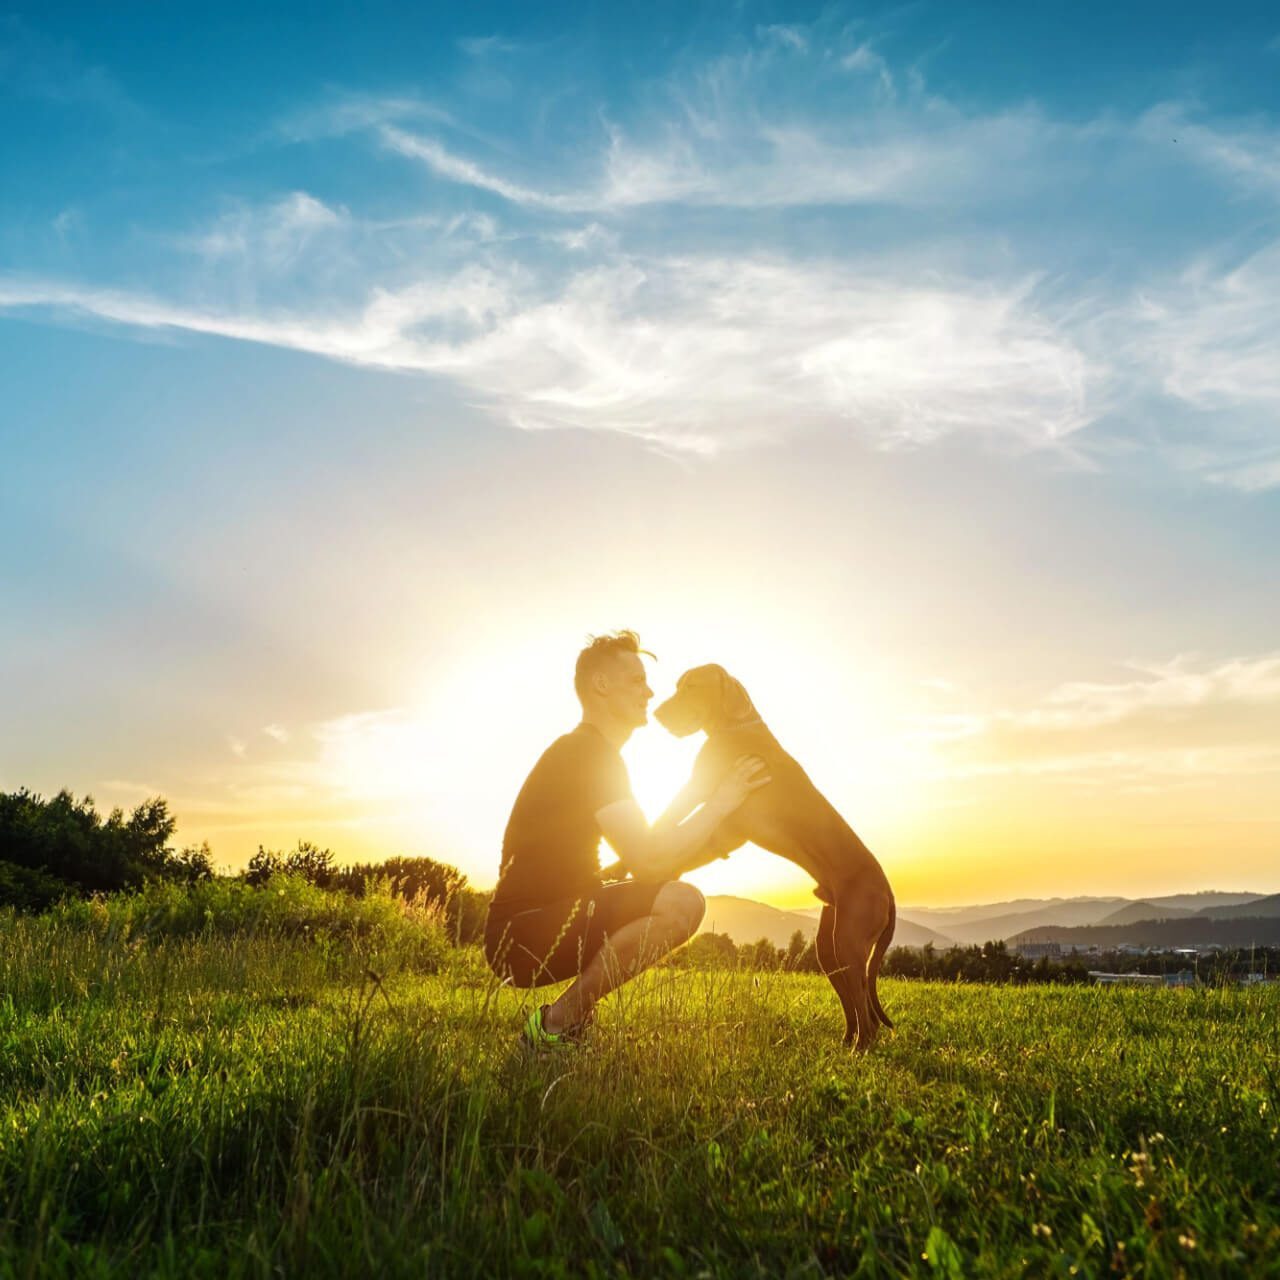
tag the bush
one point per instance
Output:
(285, 906)
(308, 862)
(65, 840)
(426, 882)
(29, 890)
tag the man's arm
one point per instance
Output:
(675, 843)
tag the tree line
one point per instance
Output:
(989, 962)
(62, 847)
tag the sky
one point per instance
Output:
(918, 363)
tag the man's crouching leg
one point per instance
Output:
(673, 919)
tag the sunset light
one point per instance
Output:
(940, 414)
(639, 639)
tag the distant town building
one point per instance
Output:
(1126, 979)
(1183, 978)
(1037, 950)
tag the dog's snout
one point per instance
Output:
(662, 713)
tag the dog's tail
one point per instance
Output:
(877, 958)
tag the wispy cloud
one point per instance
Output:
(924, 162)
(458, 169)
(785, 35)
(693, 354)
(1211, 340)
(555, 310)
(1177, 718)
(274, 236)
(1248, 152)
(347, 113)
(866, 60)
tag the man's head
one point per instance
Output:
(705, 698)
(610, 680)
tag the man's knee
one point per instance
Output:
(682, 903)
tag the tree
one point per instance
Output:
(312, 863)
(65, 842)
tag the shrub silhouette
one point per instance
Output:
(64, 847)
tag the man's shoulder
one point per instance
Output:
(583, 741)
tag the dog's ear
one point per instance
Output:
(734, 702)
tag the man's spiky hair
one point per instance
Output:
(599, 652)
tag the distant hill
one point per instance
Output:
(1061, 914)
(1203, 901)
(1269, 906)
(1041, 919)
(745, 921)
(1136, 912)
(950, 919)
(1189, 931)
(996, 921)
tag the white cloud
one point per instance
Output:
(1174, 686)
(458, 169)
(935, 159)
(864, 59)
(556, 322)
(723, 136)
(1175, 718)
(277, 732)
(693, 354)
(354, 113)
(274, 236)
(1246, 152)
(784, 35)
(1210, 339)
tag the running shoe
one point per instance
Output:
(537, 1039)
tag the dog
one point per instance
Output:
(792, 818)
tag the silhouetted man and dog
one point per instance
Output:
(555, 916)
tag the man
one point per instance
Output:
(551, 917)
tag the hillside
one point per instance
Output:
(1193, 931)
(1201, 902)
(1055, 914)
(1007, 920)
(951, 920)
(1039, 919)
(1269, 907)
(1137, 912)
(745, 921)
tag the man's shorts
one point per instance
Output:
(533, 946)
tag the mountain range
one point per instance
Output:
(1114, 920)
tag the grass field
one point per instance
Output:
(261, 1106)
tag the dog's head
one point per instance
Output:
(705, 698)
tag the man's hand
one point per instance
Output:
(749, 773)
(663, 851)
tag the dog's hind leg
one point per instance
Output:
(829, 960)
(877, 959)
(860, 918)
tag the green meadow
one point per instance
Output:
(310, 1094)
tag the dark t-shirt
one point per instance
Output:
(551, 849)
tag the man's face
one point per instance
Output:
(629, 691)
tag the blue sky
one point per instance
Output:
(925, 357)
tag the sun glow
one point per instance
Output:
(437, 774)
